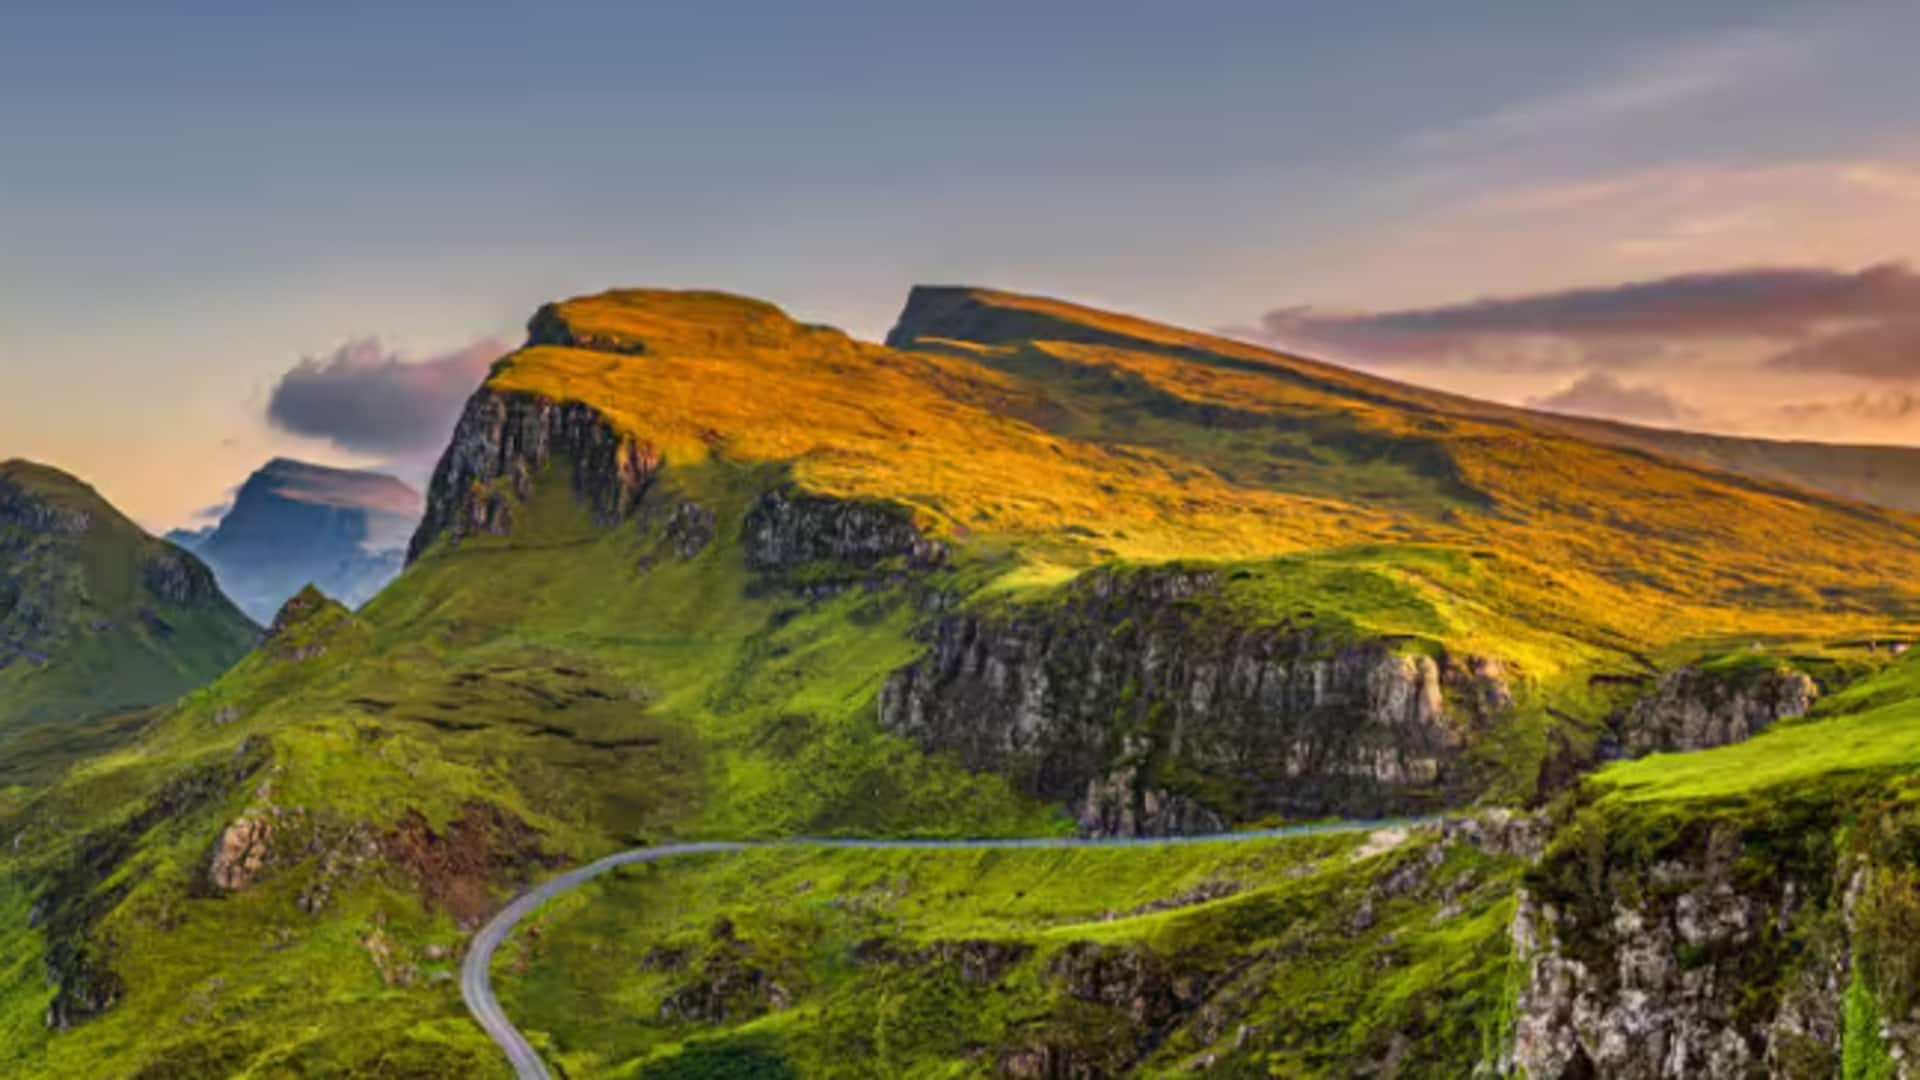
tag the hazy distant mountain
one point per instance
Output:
(294, 524)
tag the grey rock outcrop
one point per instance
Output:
(786, 529)
(1144, 716)
(1501, 831)
(1650, 1014)
(1682, 963)
(1692, 708)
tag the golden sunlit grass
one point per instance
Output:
(1128, 440)
(940, 434)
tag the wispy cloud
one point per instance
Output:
(1889, 349)
(1643, 84)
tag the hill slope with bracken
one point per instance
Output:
(690, 568)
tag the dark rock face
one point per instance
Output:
(1693, 709)
(38, 584)
(503, 439)
(689, 528)
(1147, 986)
(788, 529)
(293, 524)
(1145, 717)
(977, 961)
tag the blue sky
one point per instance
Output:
(193, 200)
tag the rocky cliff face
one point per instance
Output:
(1692, 708)
(1144, 717)
(503, 440)
(1725, 953)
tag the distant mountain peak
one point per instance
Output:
(327, 485)
(293, 523)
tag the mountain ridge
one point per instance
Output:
(939, 314)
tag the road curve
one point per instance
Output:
(476, 984)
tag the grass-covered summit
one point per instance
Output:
(1079, 437)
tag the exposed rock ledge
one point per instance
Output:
(786, 529)
(1144, 718)
(1693, 708)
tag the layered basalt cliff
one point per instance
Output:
(504, 439)
(1131, 704)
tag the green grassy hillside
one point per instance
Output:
(677, 569)
(96, 618)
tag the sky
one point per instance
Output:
(230, 232)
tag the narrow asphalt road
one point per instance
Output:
(475, 971)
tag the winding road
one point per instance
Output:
(476, 984)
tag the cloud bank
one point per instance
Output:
(367, 399)
(1823, 319)
(1889, 349)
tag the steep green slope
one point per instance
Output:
(96, 618)
(692, 569)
